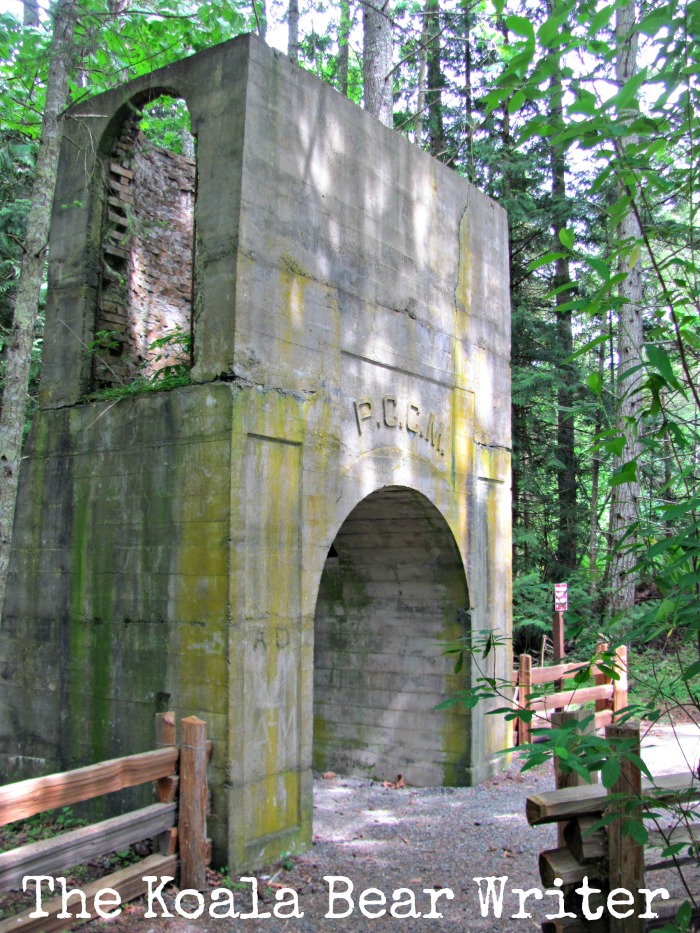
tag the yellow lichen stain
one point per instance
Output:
(199, 588)
(274, 806)
(293, 284)
(495, 464)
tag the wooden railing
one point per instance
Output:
(176, 820)
(609, 694)
(608, 857)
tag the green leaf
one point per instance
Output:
(521, 26)
(610, 772)
(599, 266)
(684, 915)
(626, 474)
(544, 260)
(595, 383)
(586, 103)
(637, 830)
(516, 101)
(660, 360)
(629, 92)
(566, 237)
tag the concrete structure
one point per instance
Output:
(281, 546)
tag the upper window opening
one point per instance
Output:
(144, 314)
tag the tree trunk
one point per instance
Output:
(436, 82)
(566, 451)
(468, 96)
(595, 480)
(260, 13)
(422, 81)
(378, 55)
(624, 504)
(293, 30)
(30, 10)
(344, 47)
(21, 337)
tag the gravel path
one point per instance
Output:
(421, 839)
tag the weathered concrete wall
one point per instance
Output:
(351, 348)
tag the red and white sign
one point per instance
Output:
(561, 597)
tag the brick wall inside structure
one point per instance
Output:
(147, 260)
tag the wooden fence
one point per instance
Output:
(608, 857)
(609, 694)
(176, 821)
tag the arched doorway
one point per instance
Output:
(393, 590)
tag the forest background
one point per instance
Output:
(580, 118)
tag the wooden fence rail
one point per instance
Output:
(607, 857)
(170, 823)
(609, 694)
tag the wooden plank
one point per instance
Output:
(112, 250)
(658, 841)
(585, 845)
(666, 911)
(120, 170)
(547, 675)
(26, 798)
(192, 820)
(566, 697)
(583, 801)
(689, 834)
(603, 718)
(49, 856)
(561, 863)
(128, 883)
(625, 855)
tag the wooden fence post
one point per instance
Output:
(165, 789)
(524, 688)
(626, 856)
(601, 679)
(192, 822)
(620, 685)
(571, 778)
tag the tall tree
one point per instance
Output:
(22, 334)
(344, 46)
(293, 30)
(566, 452)
(30, 12)
(436, 81)
(378, 60)
(624, 505)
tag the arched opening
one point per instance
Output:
(145, 294)
(392, 591)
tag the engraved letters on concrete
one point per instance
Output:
(391, 413)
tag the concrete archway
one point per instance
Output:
(351, 334)
(392, 590)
